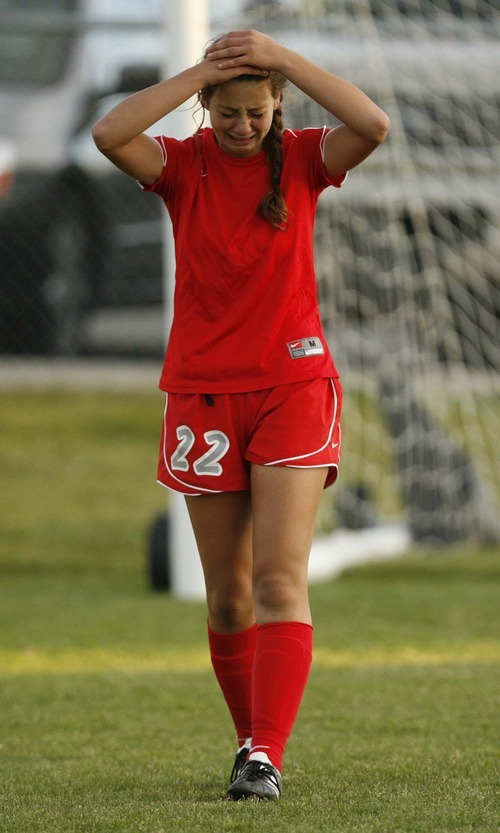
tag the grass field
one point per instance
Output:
(111, 720)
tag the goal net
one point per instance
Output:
(408, 259)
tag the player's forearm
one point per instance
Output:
(341, 98)
(137, 113)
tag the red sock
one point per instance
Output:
(232, 659)
(282, 661)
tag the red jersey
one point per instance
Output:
(246, 311)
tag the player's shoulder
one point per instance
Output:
(180, 156)
(303, 144)
(307, 135)
(182, 147)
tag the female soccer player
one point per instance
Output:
(251, 426)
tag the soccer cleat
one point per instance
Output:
(256, 780)
(240, 760)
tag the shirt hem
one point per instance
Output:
(206, 387)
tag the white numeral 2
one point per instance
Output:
(208, 463)
(186, 441)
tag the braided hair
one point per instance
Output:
(272, 206)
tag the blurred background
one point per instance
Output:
(407, 253)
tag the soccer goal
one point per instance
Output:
(408, 260)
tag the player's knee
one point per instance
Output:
(277, 593)
(230, 612)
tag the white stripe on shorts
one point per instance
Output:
(312, 453)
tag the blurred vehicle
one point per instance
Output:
(81, 258)
(75, 235)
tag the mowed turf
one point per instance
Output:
(110, 716)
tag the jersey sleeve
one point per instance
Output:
(336, 181)
(171, 149)
(310, 144)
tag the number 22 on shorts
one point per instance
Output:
(209, 462)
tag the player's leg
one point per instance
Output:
(285, 504)
(222, 527)
(200, 455)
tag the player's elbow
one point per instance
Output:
(380, 127)
(103, 135)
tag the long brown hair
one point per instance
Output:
(272, 206)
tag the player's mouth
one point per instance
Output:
(242, 141)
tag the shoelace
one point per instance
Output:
(256, 771)
(239, 763)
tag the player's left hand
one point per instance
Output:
(246, 47)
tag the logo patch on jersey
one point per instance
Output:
(312, 346)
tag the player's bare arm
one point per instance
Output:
(120, 134)
(364, 125)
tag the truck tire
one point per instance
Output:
(76, 248)
(54, 248)
(158, 554)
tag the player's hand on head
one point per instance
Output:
(244, 48)
(215, 73)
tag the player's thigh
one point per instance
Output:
(285, 503)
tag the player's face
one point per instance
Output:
(241, 113)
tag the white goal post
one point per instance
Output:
(187, 32)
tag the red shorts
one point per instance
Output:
(208, 443)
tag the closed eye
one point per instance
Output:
(235, 115)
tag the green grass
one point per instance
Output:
(110, 716)
(73, 467)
